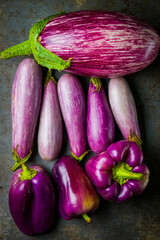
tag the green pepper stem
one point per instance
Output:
(27, 172)
(87, 218)
(97, 83)
(17, 50)
(123, 172)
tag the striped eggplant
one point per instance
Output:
(25, 107)
(73, 107)
(91, 43)
(50, 132)
(124, 109)
(100, 122)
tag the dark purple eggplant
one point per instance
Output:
(32, 200)
(100, 122)
(91, 43)
(77, 195)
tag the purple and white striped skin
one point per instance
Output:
(32, 202)
(123, 107)
(119, 172)
(50, 132)
(25, 106)
(100, 122)
(77, 195)
(73, 107)
(102, 44)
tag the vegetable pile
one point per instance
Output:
(96, 44)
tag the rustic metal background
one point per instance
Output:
(137, 219)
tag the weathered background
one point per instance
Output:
(137, 219)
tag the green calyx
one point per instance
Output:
(27, 173)
(79, 159)
(32, 46)
(123, 172)
(18, 160)
(97, 83)
(49, 77)
(134, 138)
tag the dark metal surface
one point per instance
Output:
(137, 219)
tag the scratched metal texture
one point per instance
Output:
(137, 219)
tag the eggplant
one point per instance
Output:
(119, 172)
(25, 107)
(100, 122)
(91, 43)
(73, 107)
(124, 109)
(50, 132)
(77, 195)
(32, 200)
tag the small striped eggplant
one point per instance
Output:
(77, 195)
(100, 122)
(91, 43)
(119, 173)
(124, 109)
(32, 200)
(50, 132)
(73, 107)
(25, 106)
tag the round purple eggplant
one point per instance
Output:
(91, 43)
(73, 107)
(100, 122)
(32, 200)
(119, 172)
(25, 106)
(77, 195)
(123, 107)
(50, 132)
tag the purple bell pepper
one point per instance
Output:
(32, 200)
(119, 172)
(100, 122)
(77, 195)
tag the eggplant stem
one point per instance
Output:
(79, 159)
(87, 218)
(49, 78)
(18, 160)
(97, 83)
(134, 138)
(27, 172)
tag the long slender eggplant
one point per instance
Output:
(100, 122)
(25, 106)
(32, 200)
(77, 195)
(91, 43)
(50, 132)
(73, 107)
(119, 173)
(124, 109)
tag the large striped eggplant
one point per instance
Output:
(124, 109)
(73, 107)
(91, 43)
(50, 132)
(100, 123)
(25, 107)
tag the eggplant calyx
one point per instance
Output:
(87, 218)
(27, 173)
(79, 159)
(123, 172)
(42, 55)
(18, 160)
(134, 138)
(49, 78)
(97, 83)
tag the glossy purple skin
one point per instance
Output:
(25, 105)
(102, 44)
(76, 193)
(50, 132)
(73, 107)
(123, 107)
(32, 202)
(99, 169)
(100, 122)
